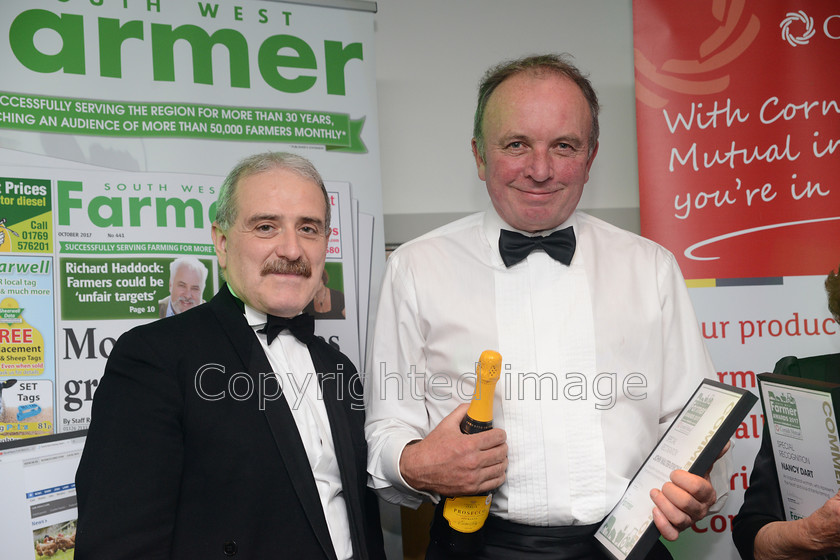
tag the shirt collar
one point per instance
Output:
(255, 318)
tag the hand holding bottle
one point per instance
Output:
(451, 463)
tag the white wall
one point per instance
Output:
(430, 57)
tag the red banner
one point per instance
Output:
(738, 115)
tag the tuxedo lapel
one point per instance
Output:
(288, 441)
(333, 388)
(277, 413)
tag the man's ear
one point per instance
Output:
(219, 243)
(479, 160)
(591, 159)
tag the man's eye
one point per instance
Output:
(264, 229)
(566, 147)
(515, 145)
(312, 230)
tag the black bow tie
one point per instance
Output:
(302, 326)
(514, 247)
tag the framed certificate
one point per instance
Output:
(692, 443)
(802, 422)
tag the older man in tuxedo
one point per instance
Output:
(230, 429)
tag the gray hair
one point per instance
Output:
(191, 263)
(537, 65)
(226, 207)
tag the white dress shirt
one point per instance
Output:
(292, 364)
(598, 359)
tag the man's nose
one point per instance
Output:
(539, 165)
(288, 245)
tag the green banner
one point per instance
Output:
(41, 113)
(81, 247)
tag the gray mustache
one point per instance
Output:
(299, 267)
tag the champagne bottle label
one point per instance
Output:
(467, 514)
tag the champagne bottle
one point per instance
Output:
(458, 521)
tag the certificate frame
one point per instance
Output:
(804, 432)
(692, 442)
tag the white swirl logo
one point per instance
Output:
(809, 28)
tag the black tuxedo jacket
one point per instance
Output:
(193, 452)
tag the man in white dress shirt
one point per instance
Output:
(600, 343)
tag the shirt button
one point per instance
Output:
(230, 548)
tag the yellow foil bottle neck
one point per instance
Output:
(487, 371)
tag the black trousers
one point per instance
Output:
(504, 540)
